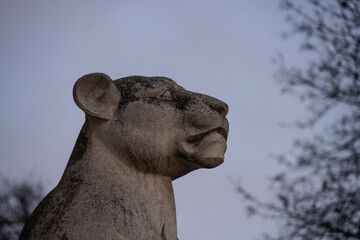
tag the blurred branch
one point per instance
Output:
(17, 201)
(318, 195)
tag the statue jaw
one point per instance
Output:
(206, 149)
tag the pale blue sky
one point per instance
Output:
(220, 48)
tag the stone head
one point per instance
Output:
(153, 124)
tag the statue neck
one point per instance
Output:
(140, 201)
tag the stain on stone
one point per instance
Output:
(80, 147)
(163, 235)
(182, 102)
(55, 209)
(64, 237)
(146, 82)
(128, 86)
(61, 206)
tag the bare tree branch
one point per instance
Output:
(318, 195)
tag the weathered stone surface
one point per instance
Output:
(140, 134)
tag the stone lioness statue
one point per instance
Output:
(140, 134)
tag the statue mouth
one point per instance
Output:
(206, 149)
(196, 138)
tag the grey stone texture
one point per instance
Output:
(140, 133)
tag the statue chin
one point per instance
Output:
(209, 162)
(211, 150)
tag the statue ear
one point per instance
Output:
(97, 95)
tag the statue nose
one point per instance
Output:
(219, 106)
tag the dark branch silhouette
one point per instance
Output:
(17, 201)
(318, 193)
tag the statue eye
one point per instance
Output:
(167, 95)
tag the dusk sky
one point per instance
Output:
(219, 48)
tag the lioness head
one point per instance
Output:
(153, 124)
